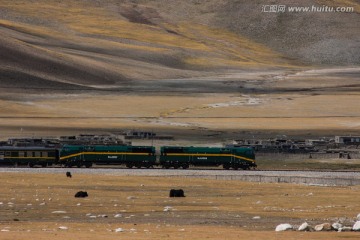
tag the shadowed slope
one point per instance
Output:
(30, 64)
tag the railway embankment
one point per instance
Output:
(323, 181)
(321, 178)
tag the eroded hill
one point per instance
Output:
(89, 43)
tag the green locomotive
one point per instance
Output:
(131, 156)
(232, 157)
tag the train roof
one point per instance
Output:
(120, 146)
(27, 148)
(214, 148)
(192, 149)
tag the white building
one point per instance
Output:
(351, 140)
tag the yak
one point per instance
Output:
(176, 193)
(81, 194)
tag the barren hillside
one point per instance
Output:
(195, 64)
(105, 42)
(89, 43)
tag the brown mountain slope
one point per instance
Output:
(203, 65)
(95, 43)
(107, 42)
(330, 38)
(314, 37)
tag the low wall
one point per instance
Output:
(302, 156)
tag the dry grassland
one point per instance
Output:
(211, 209)
(279, 162)
(213, 112)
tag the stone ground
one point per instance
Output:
(42, 206)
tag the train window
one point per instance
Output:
(21, 154)
(44, 154)
(29, 154)
(7, 154)
(37, 154)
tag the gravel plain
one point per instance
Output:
(232, 174)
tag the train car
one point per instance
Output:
(130, 156)
(233, 157)
(30, 156)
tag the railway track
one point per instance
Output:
(193, 169)
(115, 167)
(321, 178)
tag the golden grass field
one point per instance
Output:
(212, 209)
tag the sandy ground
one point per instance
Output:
(308, 102)
(38, 205)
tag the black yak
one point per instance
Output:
(81, 194)
(176, 193)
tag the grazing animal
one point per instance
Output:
(81, 194)
(176, 193)
(68, 174)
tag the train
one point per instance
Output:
(129, 156)
(234, 157)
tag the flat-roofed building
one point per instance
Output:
(349, 140)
